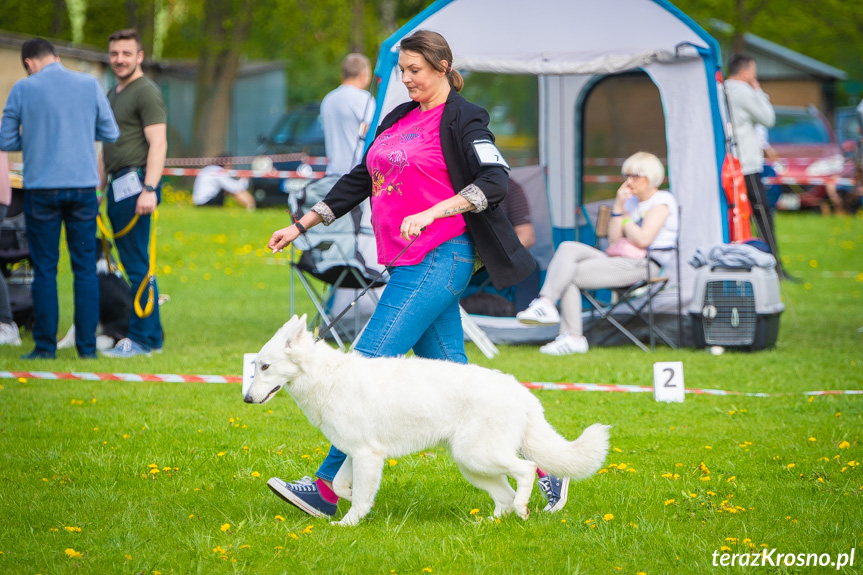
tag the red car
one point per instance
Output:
(807, 148)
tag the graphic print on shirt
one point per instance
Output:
(387, 180)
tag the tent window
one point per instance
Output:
(622, 115)
(513, 105)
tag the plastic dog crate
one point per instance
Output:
(736, 308)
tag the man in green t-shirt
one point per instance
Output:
(133, 170)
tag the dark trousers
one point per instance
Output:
(45, 213)
(134, 250)
(763, 215)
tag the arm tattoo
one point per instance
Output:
(459, 210)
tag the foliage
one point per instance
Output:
(111, 477)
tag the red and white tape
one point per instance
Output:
(541, 385)
(246, 173)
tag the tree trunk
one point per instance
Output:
(357, 43)
(218, 64)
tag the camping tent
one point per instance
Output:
(570, 45)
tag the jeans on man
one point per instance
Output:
(419, 310)
(134, 250)
(45, 212)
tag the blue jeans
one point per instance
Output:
(45, 212)
(418, 310)
(134, 250)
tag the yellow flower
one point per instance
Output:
(608, 516)
(279, 518)
(427, 570)
(731, 539)
(225, 527)
(474, 511)
(633, 525)
(601, 471)
(22, 380)
(245, 546)
(708, 447)
(218, 549)
(812, 439)
(308, 529)
(154, 471)
(73, 529)
(392, 462)
(72, 553)
(791, 465)
(127, 557)
(853, 463)
(705, 478)
(732, 478)
(844, 445)
(255, 474)
(293, 536)
(621, 466)
(220, 454)
(617, 449)
(670, 502)
(725, 548)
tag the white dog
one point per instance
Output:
(374, 409)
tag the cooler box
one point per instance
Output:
(736, 308)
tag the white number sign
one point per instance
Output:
(668, 381)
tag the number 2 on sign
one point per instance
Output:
(668, 381)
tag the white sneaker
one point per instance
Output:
(539, 312)
(9, 334)
(565, 344)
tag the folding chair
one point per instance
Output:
(332, 255)
(638, 296)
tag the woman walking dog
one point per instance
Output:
(428, 174)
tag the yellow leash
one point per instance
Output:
(151, 272)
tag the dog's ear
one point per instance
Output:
(294, 330)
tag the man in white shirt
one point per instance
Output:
(213, 181)
(346, 113)
(750, 107)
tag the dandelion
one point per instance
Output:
(812, 439)
(791, 466)
(308, 529)
(617, 449)
(220, 454)
(427, 569)
(392, 462)
(279, 518)
(725, 548)
(293, 536)
(255, 474)
(72, 554)
(705, 478)
(633, 525)
(192, 516)
(474, 511)
(127, 557)
(844, 445)
(670, 502)
(72, 529)
(608, 517)
(225, 527)
(853, 463)
(154, 470)
(621, 466)
(731, 539)
(218, 549)
(708, 447)
(601, 471)
(22, 380)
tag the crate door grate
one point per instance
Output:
(736, 319)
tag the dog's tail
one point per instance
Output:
(554, 454)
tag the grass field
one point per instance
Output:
(159, 478)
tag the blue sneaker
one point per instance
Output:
(36, 354)
(555, 490)
(126, 348)
(303, 494)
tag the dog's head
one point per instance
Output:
(276, 365)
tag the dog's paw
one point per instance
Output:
(343, 490)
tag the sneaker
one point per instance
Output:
(539, 312)
(555, 490)
(303, 494)
(9, 334)
(565, 344)
(126, 348)
(36, 354)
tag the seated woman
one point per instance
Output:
(641, 214)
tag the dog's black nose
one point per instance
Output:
(248, 399)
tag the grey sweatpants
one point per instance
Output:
(576, 266)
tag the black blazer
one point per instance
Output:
(462, 123)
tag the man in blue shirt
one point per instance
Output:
(54, 116)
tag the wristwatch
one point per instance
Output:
(149, 188)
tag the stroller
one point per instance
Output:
(15, 263)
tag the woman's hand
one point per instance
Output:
(413, 225)
(624, 192)
(281, 238)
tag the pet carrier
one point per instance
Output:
(736, 307)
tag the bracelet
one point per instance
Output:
(616, 215)
(300, 227)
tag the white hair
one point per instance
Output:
(644, 164)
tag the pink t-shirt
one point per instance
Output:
(409, 175)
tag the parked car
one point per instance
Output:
(298, 131)
(807, 148)
(847, 130)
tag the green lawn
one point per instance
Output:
(145, 478)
